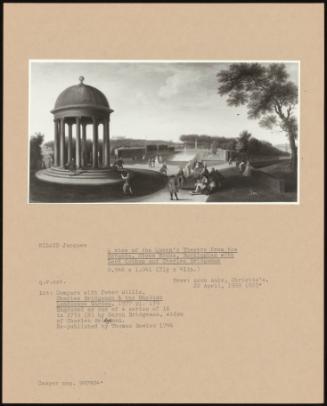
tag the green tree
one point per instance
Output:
(35, 150)
(268, 94)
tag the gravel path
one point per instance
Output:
(162, 195)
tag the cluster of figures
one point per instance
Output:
(194, 175)
(164, 169)
(197, 173)
(118, 164)
(244, 167)
(154, 160)
(45, 162)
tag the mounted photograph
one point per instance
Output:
(163, 131)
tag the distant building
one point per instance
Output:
(130, 152)
(220, 153)
(179, 146)
(223, 154)
(143, 152)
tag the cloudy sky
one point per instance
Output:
(152, 100)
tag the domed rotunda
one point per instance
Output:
(77, 160)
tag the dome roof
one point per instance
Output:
(81, 95)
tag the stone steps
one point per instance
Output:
(64, 173)
(67, 171)
(85, 177)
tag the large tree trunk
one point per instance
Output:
(288, 125)
(293, 146)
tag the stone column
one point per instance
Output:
(69, 146)
(105, 155)
(83, 152)
(95, 144)
(62, 143)
(108, 141)
(55, 144)
(78, 143)
(103, 152)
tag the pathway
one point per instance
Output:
(162, 195)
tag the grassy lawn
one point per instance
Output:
(143, 183)
(237, 188)
(264, 161)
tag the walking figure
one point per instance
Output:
(173, 187)
(180, 177)
(127, 188)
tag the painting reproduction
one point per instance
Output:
(176, 132)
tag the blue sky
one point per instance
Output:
(152, 100)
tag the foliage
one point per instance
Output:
(36, 141)
(243, 141)
(267, 92)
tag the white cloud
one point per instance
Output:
(180, 82)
